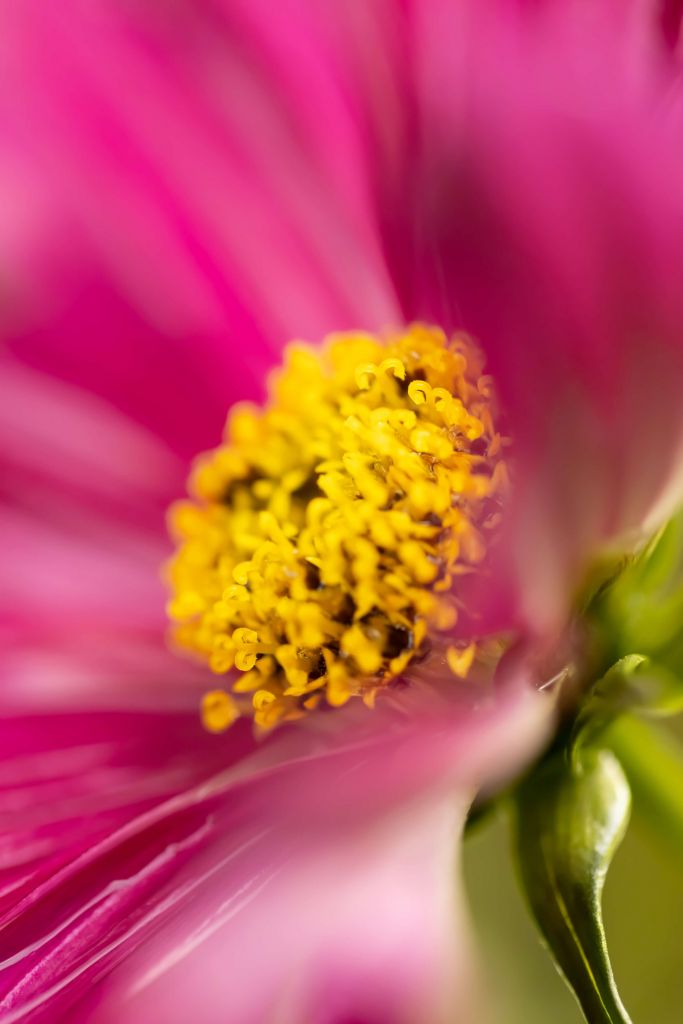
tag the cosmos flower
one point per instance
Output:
(189, 186)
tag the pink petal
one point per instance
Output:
(86, 492)
(671, 17)
(67, 781)
(63, 446)
(542, 200)
(82, 541)
(366, 925)
(167, 222)
(315, 877)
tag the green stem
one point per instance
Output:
(653, 763)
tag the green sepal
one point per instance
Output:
(571, 815)
(653, 762)
(634, 683)
(641, 607)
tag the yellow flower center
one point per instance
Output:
(320, 553)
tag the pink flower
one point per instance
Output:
(187, 187)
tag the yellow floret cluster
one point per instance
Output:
(319, 554)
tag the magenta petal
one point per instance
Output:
(203, 198)
(82, 618)
(542, 202)
(82, 525)
(70, 866)
(277, 867)
(358, 925)
(85, 493)
(671, 17)
(76, 461)
(67, 781)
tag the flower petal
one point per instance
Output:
(192, 194)
(296, 882)
(543, 206)
(68, 780)
(363, 925)
(82, 536)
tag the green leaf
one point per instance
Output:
(571, 816)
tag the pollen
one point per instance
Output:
(320, 554)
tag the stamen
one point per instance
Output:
(321, 551)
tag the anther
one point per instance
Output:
(320, 555)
